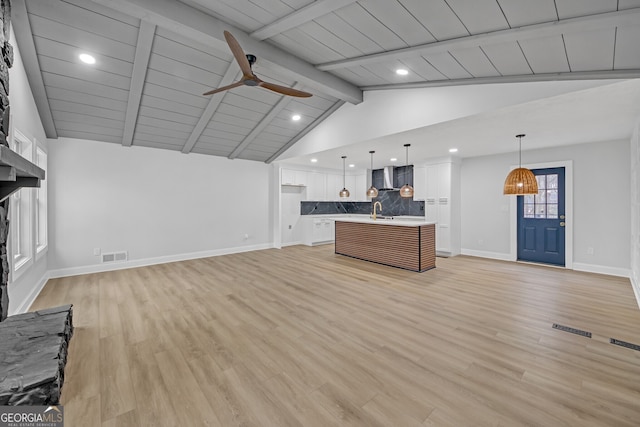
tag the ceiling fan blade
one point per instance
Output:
(223, 88)
(284, 90)
(238, 53)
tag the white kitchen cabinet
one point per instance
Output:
(359, 192)
(318, 230)
(442, 192)
(419, 183)
(334, 185)
(316, 186)
(293, 177)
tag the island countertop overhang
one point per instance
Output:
(384, 221)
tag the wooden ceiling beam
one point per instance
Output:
(190, 22)
(266, 120)
(22, 30)
(305, 131)
(523, 78)
(308, 13)
(146, 34)
(232, 74)
(547, 29)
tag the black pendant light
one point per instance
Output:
(521, 180)
(344, 193)
(406, 190)
(372, 191)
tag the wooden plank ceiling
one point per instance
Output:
(155, 58)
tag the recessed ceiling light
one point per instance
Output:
(393, 159)
(314, 160)
(86, 58)
(295, 117)
(402, 72)
(352, 165)
(453, 150)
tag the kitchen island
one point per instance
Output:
(408, 244)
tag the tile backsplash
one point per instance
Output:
(392, 205)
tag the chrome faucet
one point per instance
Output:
(376, 204)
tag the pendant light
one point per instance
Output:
(344, 193)
(372, 191)
(521, 180)
(406, 190)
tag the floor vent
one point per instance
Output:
(624, 344)
(114, 257)
(572, 330)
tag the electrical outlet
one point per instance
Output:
(96, 251)
(246, 236)
(590, 250)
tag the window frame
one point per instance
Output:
(21, 217)
(41, 230)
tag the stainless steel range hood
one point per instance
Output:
(388, 178)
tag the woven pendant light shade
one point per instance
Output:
(521, 181)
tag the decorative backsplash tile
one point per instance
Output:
(392, 205)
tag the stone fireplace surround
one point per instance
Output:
(33, 346)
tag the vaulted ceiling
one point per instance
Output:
(155, 58)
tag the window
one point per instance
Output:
(20, 210)
(41, 205)
(545, 203)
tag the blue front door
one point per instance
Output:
(541, 220)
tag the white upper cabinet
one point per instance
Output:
(293, 177)
(419, 183)
(316, 186)
(334, 185)
(360, 189)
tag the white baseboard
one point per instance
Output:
(99, 268)
(24, 306)
(487, 254)
(292, 244)
(636, 288)
(589, 268)
(602, 269)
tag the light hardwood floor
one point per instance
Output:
(304, 337)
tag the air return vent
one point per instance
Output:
(114, 257)
(625, 344)
(572, 330)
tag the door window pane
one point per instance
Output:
(528, 210)
(545, 203)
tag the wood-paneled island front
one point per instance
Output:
(408, 244)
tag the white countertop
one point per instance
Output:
(402, 221)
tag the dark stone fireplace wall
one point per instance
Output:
(5, 64)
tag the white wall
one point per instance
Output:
(25, 118)
(158, 205)
(601, 203)
(386, 112)
(635, 210)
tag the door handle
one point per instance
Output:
(562, 217)
(562, 224)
